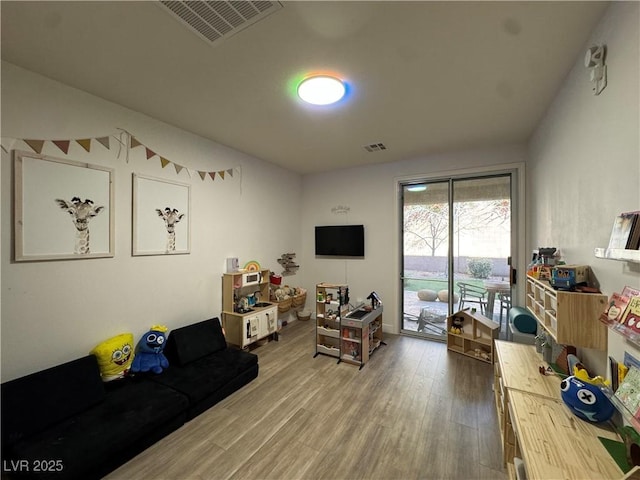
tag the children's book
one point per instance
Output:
(631, 291)
(629, 391)
(634, 236)
(631, 317)
(622, 229)
(615, 309)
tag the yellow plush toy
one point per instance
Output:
(114, 356)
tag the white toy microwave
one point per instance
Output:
(251, 278)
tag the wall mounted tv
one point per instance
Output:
(340, 240)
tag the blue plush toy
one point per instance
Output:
(586, 400)
(149, 356)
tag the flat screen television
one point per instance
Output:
(340, 240)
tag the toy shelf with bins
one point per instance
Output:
(331, 305)
(571, 318)
(476, 336)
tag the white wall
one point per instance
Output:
(584, 165)
(58, 310)
(583, 170)
(371, 195)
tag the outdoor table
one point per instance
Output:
(493, 288)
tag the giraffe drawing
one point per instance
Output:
(81, 212)
(171, 217)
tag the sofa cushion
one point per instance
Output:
(32, 403)
(192, 342)
(129, 419)
(205, 376)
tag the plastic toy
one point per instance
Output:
(586, 400)
(149, 356)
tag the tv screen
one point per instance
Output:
(340, 240)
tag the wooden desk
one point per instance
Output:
(537, 426)
(554, 443)
(519, 370)
(516, 369)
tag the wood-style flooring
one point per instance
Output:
(414, 411)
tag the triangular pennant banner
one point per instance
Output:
(202, 174)
(84, 143)
(36, 145)
(230, 172)
(164, 162)
(62, 145)
(134, 142)
(221, 173)
(212, 175)
(178, 167)
(149, 153)
(104, 141)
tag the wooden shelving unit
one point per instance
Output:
(477, 336)
(571, 318)
(331, 305)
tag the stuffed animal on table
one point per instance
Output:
(114, 356)
(149, 356)
(586, 400)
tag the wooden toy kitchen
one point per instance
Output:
(247, 314)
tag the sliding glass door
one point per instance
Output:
(456, 250)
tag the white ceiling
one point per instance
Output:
(425, 77)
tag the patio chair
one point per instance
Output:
(470, 293)
(505, 305)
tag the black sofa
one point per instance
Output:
(65, 423)
(202, 367)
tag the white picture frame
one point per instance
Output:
(161, 216)
(63, 209)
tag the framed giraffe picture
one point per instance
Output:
(63, 209)
(161, 216)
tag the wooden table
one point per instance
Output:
(517, 369)
(519, 365)
(537, 426)
(494, 288)
(555, 443)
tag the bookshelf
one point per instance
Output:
(619, 254)
(624, 241)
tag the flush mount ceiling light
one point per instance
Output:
(321, 90)
(417, 188)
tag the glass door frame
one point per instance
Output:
(518, 239)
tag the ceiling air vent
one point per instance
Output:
(375, 147)
(214, 21)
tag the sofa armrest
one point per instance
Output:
(32, 403)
